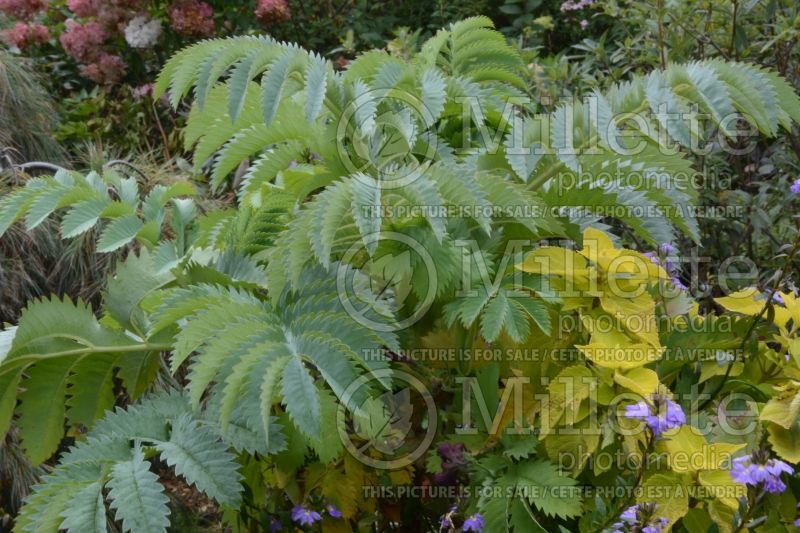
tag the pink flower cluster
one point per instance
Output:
(96, 8)
(108, 68)
(142, 91)
(192, 18)
(24, 35)
(83, 41)
(575, 5)
(85, 37)
(113, 15)
(22, 9)
(84, 8)
(272, 11)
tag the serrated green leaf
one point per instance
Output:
(273, 82)
(8, 397)
(138, 500)
(316, 84)
(119, 233)
(82, 217)
(86, 511)
(366, 207)
(202, 460)
(301, 398)
(42, 410)
(552, 493)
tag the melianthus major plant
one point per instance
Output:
(393, 207)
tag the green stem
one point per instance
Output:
(732, 47)
(750, 508)
(628, 501)
(662, 56)
(14, 363)
(767, 306)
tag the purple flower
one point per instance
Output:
(795, 187)
(452, 453)
(774, 297)
(662, 257)
(630, 514)
(447, 521)
(776, 467)
(640, 517)
(473, 523)
(275, 525)
(759, 468)
(662, 415)
(678, 284)
(305, 516)
(774, 485)
(797, 523)
(584, 24)
(655, 527)
(333, 511)
(637, 410)
(453, 461)
(667, 249)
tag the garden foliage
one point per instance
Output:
(382, 209)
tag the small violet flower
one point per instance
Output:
(473, 523)
(678, 284)
(453, 461)
(629, 514)
(662, 258)
(447, 520)
(667, 249)
(304, 516)
(640, 517)
(661, 415)
(774, 296)
(333, 511)
(795, 187)
(760, 468)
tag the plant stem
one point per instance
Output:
(749, 512)
(639, 475)
(767, 305)
(662, 56)
(732, 46)
(144, 347)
